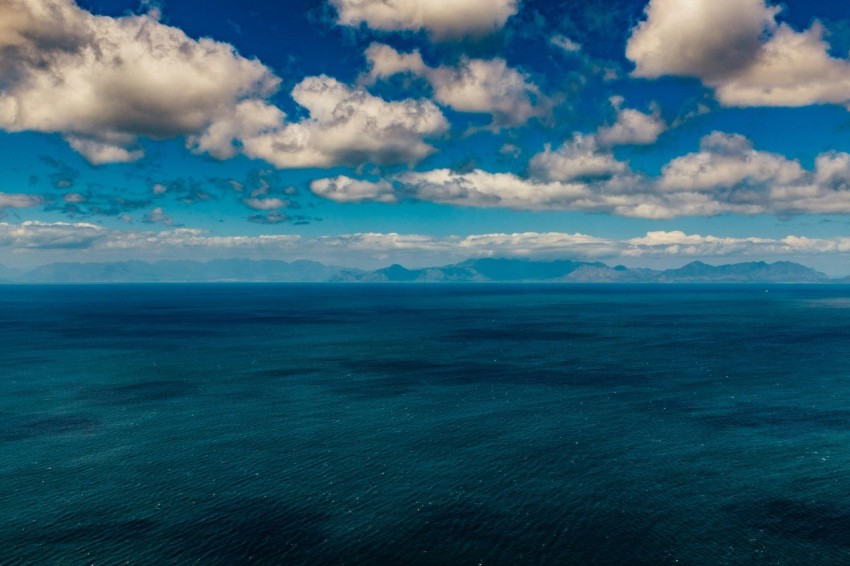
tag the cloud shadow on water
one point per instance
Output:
(820, 523)
(387, 377)
(465, 533)
(251, 530)
(777, 419)
(38, 426)
(139, 392)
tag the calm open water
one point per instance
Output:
(424, 424)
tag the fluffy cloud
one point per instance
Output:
(272, 203)
(579, 158)
(727, 175)
(348, 126)
(491, 87)
(19, 200)
(793, 69)
(484, 189)
(832, 170)
(247, 120)
(384, 61)
(624, 195)
(345, 126)
(104, 82)
(588, 156)
(100, 152)
(728, 161)
(710, 39)
(346, 189)
(46, 236)
(632, 127)
(490, 190)
(737, 48)
(442, 20)
(474, 85)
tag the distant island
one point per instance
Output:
(472, 271)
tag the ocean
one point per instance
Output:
(424, 424)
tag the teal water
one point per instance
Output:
(395, 424)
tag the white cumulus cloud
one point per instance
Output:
(727, 175)
(484, 189)
(832, 170)
(581, 157)
(105, 82)
(730, 175)
(271, 203)
(729, 161)
(348, 126)
(490, 190)
(632, 127)
(737, 48)
(473, 85)
(346, 189)
(33, 235)
(442, 20)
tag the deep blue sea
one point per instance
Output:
(424, 424)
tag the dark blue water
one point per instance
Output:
(467, 424)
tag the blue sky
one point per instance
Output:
(364, 132)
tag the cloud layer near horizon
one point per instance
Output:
(93, 239)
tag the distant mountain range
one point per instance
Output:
(473, 270)
(565, 271)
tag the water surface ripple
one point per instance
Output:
(424, 424)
